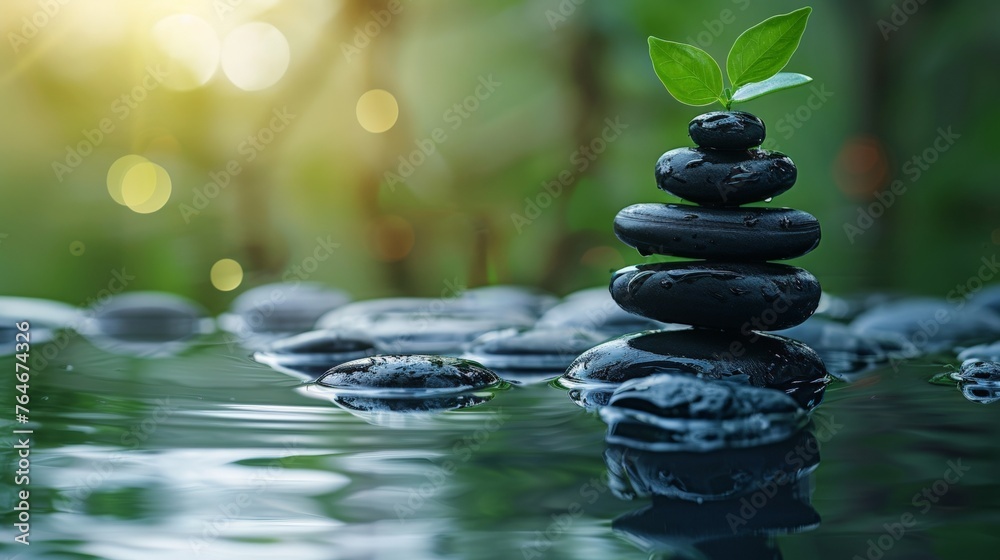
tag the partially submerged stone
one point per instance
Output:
(408, 375)
(671, 412)
(309, 355)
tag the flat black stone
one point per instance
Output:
(309, 355)
(380, 373)
(758, 359)
(727, 130)
(724, 178)
(678, 412)
(719, 295)
(758, 234)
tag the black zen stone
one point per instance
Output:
(727, 130)
(676, 412)
(717, 178)
(387, 373)
(759, 359)
(719, 295)
(759, 234)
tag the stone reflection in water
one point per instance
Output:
(523, 356)
(757, 359)
(723, 500)
(386, 390)
(309, 355)
(146, 324)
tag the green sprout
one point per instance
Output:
(754, 64)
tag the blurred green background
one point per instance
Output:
(502, 94)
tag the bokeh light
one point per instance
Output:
(226, 275)
(188, 49)
(377, 110)
(255, 56)
(116, 174)
(146, 187)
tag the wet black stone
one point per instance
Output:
(282, 308)
(677, 412)
(148, 317)
(594, 310)
(758, 234)
(757, 359)
(312, 354)
(979, 369)
(377, 405)
(760, 296)
(927, 325)
(727, 130)
(379, 373)
(716, 178)
(541, 351)
(717, 475)
(847, 354)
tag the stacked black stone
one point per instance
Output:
(733, 287)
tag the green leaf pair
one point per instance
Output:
(754, 64)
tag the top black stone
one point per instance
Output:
(727, 130)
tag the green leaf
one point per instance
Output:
(689, 73)
(777, 82)
(764, 49)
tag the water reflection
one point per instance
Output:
(726, 503)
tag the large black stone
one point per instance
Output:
(759, 234)
(759, 296)
(727, 130)
(758, 359)
(717, 178)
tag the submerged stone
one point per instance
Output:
(379, 405)
(309, 355)
(757, 359)
(594, 310)
(757, 234)
(987, 352)
(147, 324)
(846, 353)
(674, 412)
(413, 375)
(727, 130)
(282, 308)
(724, 178)
(927, 325)
(721, 295)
